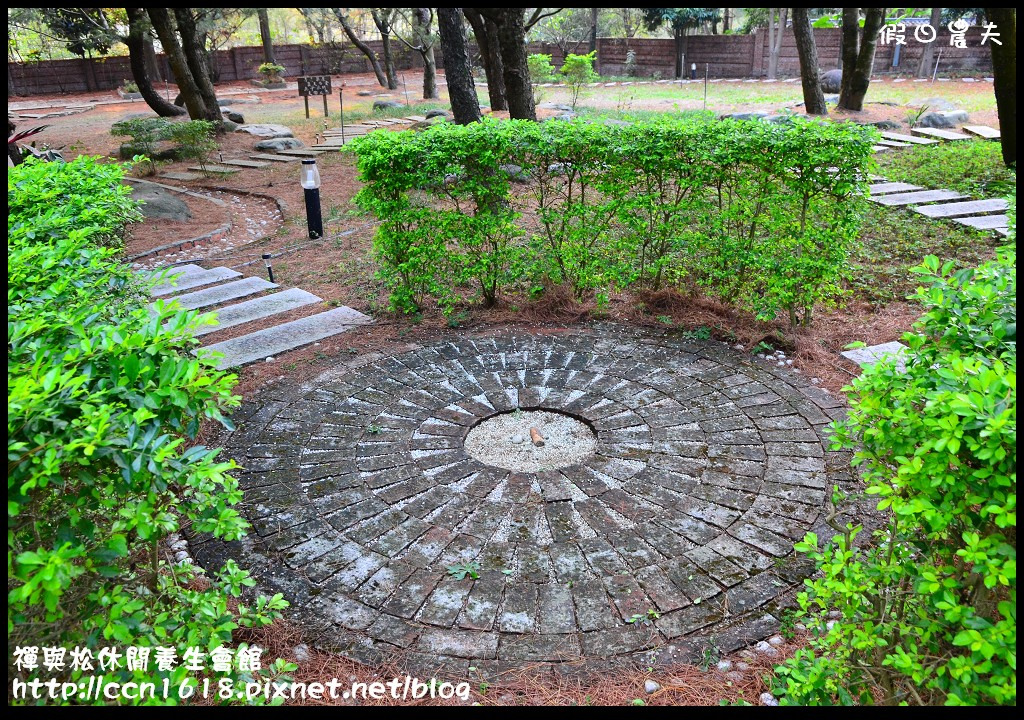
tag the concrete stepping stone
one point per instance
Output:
(246, 163)
(287, 336)
(984, 222)
(868, 356)
(183, 176)
(195, 280)
(274, 158)
(259, 308)
(219, 169)
(983, 131)
(1004, 231)
(884, 188)
(417, 118)
(913, 198)
(893, 143)
(880, 148)
(971, 207)
(940, 134)
(912, 139)
(302, 152)
(223, 293)
(178, 271)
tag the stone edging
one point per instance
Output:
(222, 230)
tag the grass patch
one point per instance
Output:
(973, 168)
(892, 242)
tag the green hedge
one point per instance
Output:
(103, 398)
(758, 214)
(929, 609)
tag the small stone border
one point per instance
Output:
(222, 230)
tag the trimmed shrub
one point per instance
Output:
(929, 609)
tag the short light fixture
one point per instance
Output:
(310, 180)
(270, 270)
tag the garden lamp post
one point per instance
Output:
(311, 186)
(270, 269)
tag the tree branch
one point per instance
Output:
(538, 15)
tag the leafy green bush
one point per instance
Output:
(578, 71)
(103, 399)
(49, 201)
(196, 139)
(758, 214)
(144, 132)
(929, 610)
(541, 71)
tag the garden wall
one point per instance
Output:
(725, 55)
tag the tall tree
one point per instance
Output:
(1004, 73)
(485, 30)
(924, 67)
(857, 78)
(593, 29)
(137, 39)
(814, 100)
(423, 42)
(775, 33)
(198, 61)
(384, 19)
(362, 46)
(457, 71)
(512, 41)
(682, 21)
(848, 49)
(164, 25)
(265, 38)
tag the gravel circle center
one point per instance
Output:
(505, 441)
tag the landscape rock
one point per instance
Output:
(365, 93)
(651, 687)
(233, 115)
(238, 100)
(555, 106)
(768, 699)
(886, 125)
(779, 119)
(301, 652)
(283, 143)
(229, 125)
(831, 81)
(437, 112)
(944, 119)
(565, 116)
(515, 172)
(745, 116)
(160, 203)
(267, 130)
(386, 105)
(937, 104)
(724, 665)
(162, 151)
(765, 649)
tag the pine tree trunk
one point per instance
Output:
(851, 30)
(457, 71)
(268, 42)
(136, 42)
(512, 39)
(486, 33)
(1004, 71)
(422, 19)
(363, 47)
(924, 67)
(814, 100)
(383, 23)
(191, 97)
(677, 34)
(195, 57)
(861, 77)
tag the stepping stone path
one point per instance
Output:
(983, 131)
(259, 344)
(707, 468)
(219, 169)
(908, 139)
(882, 188)
(940, 134)
(246, 163)
(182, 176)
(914, 198)
(984, 222)
(274, 158)
(959, 209)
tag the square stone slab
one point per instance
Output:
(941, 134)
(223, 293)
(891, 187)
(195, 280)
(301, 152)
(246, 163)
(219, 169)
(259, 308)
(893, 143)
(983, 131)
(984, 222)
(971, 207)
(274, 158)
(867, 356)
(913, 140)
(183, 176)
(880, 148)
(913, 198)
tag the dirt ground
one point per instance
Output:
(265, 207)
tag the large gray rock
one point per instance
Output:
(936, 104)
(515, 173)
(831, 81)
(886, 125)
(160, 151)
(365, 93)
(555, 106)
(238, 100)
(945, 119)
(267, 131)
(437, 113)
(284, 143)
(233, 115)
(386, 105)
(229, 125)
(745, 116)
(160, 203)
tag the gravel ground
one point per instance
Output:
(504, 441)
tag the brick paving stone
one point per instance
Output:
(706, 470)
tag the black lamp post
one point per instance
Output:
(311, 186)
(270, 270)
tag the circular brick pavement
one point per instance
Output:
(708, 467)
